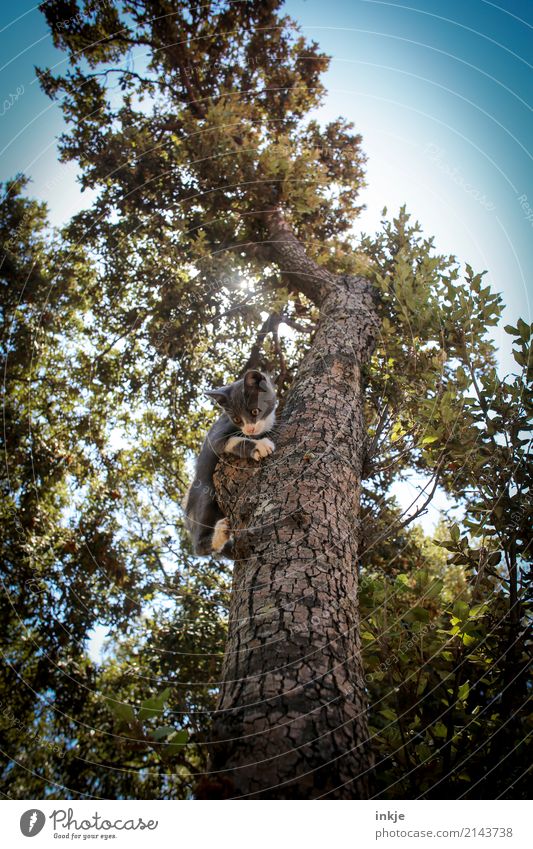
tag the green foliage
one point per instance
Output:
(169, 740)
(108, 348)
(446, 678)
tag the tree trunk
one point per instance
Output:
(291, 721)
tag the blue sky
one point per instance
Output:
(439, 91)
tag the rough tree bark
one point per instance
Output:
(291, 720)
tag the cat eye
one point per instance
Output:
(237, 421)
(254, 412)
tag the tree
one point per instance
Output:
(269, 164)
(223, 214)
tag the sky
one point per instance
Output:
(440, 91)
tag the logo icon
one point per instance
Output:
(32, 822)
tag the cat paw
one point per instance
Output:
(263, 447)
(221, 535)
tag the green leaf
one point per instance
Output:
(162, 732)
(422, 684)
(435, 589)
(420, 614)
(402, 581)
(463, 691)
(388, 714)
(461, 610)
(175, 742)
(471, 628)
(524, 330)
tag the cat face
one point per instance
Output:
(250, 402)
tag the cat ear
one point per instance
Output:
(254, 378)
(218, 395)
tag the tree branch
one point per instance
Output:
(287, 251)
(123, 71)
(297, 325)
(382, 421)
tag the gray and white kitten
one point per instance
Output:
(249, 407)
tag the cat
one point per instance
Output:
(249, 407)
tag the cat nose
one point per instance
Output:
(249, 429)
